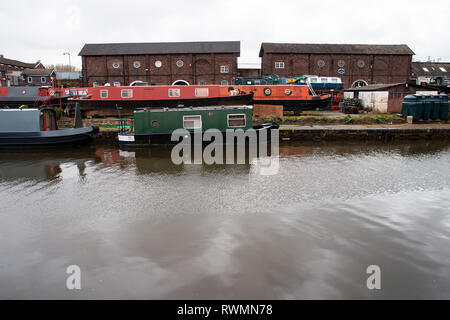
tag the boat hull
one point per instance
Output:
(127, 107)
(131, 140)
(47, 138)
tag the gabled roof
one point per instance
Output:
(434, 69)
(160, 48)
(308, 48)
(18, 63)
(38, 72)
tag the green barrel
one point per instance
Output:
(444, 107)
(408, 105)
(427, 107)
(435, 101)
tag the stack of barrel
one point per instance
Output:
(426, 107)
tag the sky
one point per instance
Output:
(33, 30)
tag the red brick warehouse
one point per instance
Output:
(160, 63)
(354, 64)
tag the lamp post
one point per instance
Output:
(70, 64)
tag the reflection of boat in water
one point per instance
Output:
(158, 125)
(37, 127)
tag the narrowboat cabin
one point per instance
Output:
(155, 126)
(26, 127)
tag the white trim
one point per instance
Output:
(126, 138)
(196, 117)
(279, 65)
(101, 94)
(225, 69)
(180, 80)
(236, 114)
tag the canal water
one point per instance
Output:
(141, 227)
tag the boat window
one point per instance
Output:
(257, 82)
(30, 79)
(335, 80)
(201, 92)
(174, 92)
(192, 122)
(236, 120)
(104, 94)
(155, 123)
(324, 80)
(43, 80)
(127, 93)
(313, 80)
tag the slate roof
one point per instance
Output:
(434, 69)
(38, 72)
(380, 87)
(104, 49)
(18, 63)
(309, 48)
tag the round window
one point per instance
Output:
(180, 63)
(137, 64)
(158, 64)
(361, 63)
(155, 123)
(24, 91)
(321, 63)
(116, 65)
(341, 63)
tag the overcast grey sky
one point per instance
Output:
(33, 30)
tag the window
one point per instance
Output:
(279, 65)
(158, 64)
(174, 92)
(136, 64)
(313, 80)
(236, 120)
(116, 84)
(341, 63)
(103, 94)
(321, 63)
(361, 64)
(324, 80)
(94, 84)
(155, 123)
(443, 69)
(192, 122)
(201, 92)
(425, 69)
(30, 79)
(43, 79)
(335, 80)
(127, 93)
(180, 63)
(116, 65)
(224, 69)
(224, 82)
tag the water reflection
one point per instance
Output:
(141, 227)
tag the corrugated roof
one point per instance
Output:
(378, 87)
(434, 69)
(308, 48)
(18, 63)
(160, 48)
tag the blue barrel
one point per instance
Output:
(444, 107)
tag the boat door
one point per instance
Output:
(48, 120)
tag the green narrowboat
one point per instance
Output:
(155, 126)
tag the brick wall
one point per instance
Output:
(370, 68)
(195, 68)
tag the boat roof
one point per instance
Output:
(206, 108)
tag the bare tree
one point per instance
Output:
(61, 67)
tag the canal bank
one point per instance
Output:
(318, 126)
